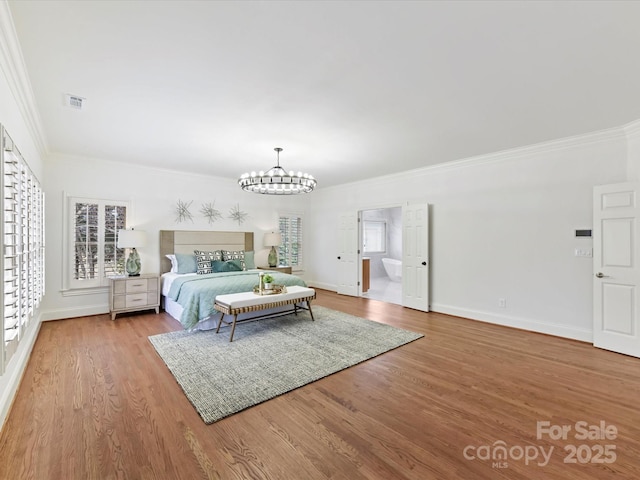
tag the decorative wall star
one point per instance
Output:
(238, 215)
(210, 212)
(182, 211)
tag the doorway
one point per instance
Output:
(382, 254)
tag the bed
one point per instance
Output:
(189, 297)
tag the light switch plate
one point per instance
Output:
(584, 252)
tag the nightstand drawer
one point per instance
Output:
(137, 285)
(136, 300)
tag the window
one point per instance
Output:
(290, 252)
(23, 246)
(374, 236)
(94, 256)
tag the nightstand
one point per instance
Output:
(132, 294)
(279, 268)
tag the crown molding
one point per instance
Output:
(518, 153)
(513, 154)
(15, 71)
(632, 129)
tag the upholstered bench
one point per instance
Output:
(237, 303)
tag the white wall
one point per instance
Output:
(502, 226)
(153, 195)
(16, 117)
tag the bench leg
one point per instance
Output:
(220, 322)
(233, 327)
(310, 311)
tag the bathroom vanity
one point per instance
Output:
(366, 274)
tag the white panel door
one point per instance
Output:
(415, 262)
(616, 253)
(348, 254)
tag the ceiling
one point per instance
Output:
(349, 89)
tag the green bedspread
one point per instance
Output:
(196, 294)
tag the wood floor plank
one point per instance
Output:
(97, 402)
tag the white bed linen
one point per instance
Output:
(167, 279)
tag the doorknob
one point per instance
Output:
(424, 263)
(339, 258)
(601, 275)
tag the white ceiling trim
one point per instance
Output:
(514, 154)
(632, 129)
(15, 70)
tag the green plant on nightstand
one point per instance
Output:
(268, 281)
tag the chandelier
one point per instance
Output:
(277, 181)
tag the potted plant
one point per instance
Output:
(268, 281)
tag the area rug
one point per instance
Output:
(270, 357)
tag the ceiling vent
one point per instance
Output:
(74, 101)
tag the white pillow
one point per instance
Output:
(174, 263)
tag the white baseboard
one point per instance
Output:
(10, 380)
(323, 286)
(565, 331)
(558, 330)
(83, 311)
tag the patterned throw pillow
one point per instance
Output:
(234, 255)
(204, 259)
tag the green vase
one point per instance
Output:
(133, 264)
(273, 257)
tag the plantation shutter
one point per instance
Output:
(291, 248)
(114, 257)
(85, 244)
(23, 246)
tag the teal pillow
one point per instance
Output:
(225, 266)
(186, 263)
(249, 261)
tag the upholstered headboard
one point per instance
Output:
(185, 241)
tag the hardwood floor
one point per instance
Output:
(96, 402)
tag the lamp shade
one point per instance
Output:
(272, 239)
(131, 238)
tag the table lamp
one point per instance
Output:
(272, 240)
(132, 239)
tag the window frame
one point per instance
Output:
(73, 286)
(382, 235)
